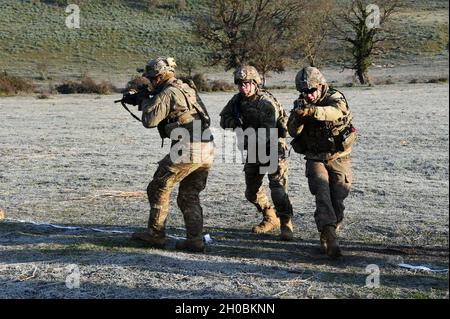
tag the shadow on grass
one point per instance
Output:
(41, 289)
(292, 259)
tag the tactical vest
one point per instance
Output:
(282, 117)
(181, 116)
(249, 121)
(326, 136)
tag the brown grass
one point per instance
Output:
(86, 85)
(12, 85)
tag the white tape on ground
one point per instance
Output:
(113, 231)
(424, 268)
(207, 237)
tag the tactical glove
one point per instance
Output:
(305, 111)
(130, 98)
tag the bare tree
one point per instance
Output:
(256, 32)
(314, 25)
(222, 27)
(364, 27)
(187, 63)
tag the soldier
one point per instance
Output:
(255, 108)
(321, 124)
(174, 105)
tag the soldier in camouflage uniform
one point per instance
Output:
(321, 124)
(173, 105)
(256, 108)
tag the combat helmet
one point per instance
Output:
(309, 78)
(159, 66)
(246, 73)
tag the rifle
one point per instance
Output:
(133, 97)
(302, 102)
(237, 112)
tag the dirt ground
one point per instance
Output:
(83, 161)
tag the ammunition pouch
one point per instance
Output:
(345, 139)
(323, 136)
(162, 129)
(298, 144)
(185, 119)
(323, 141)
(166, 127)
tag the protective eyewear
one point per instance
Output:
(309, 91)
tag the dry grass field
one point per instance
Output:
(81, 161)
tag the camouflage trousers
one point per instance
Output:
(278, 181)
(329, 182)
(192, 178)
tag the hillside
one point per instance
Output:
(115, 37)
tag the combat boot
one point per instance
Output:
(270, 221)
(195, 245)
(155, 235)
(286, 228)
(150, 238)
(332, 244)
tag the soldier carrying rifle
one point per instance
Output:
(179, 114)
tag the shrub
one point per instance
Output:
(11, 85)
(59, 3)
(86, 85)
(203, 85)
(200, 82)
(105, 88)
(68, 87)
(220, 85)
(279, 87)
(43, 96)
(437, 80)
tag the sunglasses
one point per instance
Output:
(309, 91)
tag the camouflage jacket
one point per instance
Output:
(175, 104)
(260, 111)
(317, 133)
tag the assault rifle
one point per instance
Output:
(133, 97)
